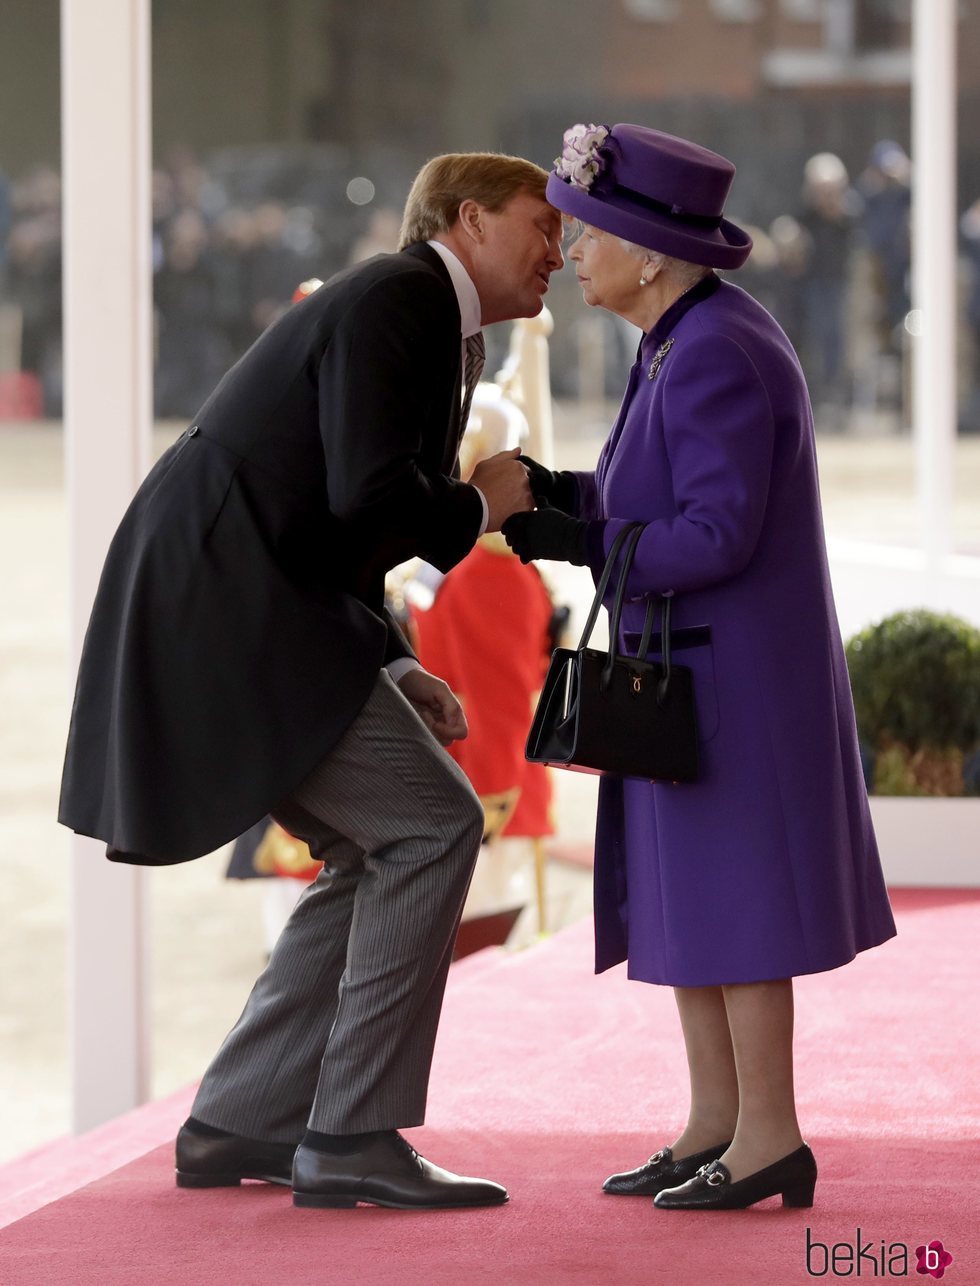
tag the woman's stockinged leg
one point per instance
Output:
(711, 1066)
(760, 1020)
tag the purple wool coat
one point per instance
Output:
(767, 866)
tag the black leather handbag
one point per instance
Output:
(600, 712)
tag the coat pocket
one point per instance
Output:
(692, 647)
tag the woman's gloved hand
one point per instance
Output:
(547, 533)
(558, 489)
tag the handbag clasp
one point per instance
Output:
(637, 683)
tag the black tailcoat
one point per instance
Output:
(239, 624)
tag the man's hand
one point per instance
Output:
(503, 480)
(547, 533)
(435, 704)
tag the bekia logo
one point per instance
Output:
(874, 1259)
(933, 1259)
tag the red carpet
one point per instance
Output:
(547, 1079)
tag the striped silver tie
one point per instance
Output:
(476, 356)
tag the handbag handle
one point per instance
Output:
(665, 603)
(631, 534)
(604, 580)
(633, 540)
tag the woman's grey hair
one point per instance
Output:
(684, 273)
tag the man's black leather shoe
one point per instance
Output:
(388, 1172)
(223, 1160)
(793, 1178)
(660, 1172)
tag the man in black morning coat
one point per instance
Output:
(239, 661)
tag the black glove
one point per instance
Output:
(547, 533)
(558, 489)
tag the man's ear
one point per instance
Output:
(471, 217)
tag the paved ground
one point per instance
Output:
(207, 935)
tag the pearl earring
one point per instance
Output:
(643, 281)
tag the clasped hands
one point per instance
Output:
(511, 484)
(548, 531)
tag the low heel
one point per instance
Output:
(187, 1179)
(323, 1201)
(801, 1196)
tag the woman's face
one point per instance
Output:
(607, 272)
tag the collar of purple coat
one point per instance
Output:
(657, 333)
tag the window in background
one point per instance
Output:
(652, 10)
(738, 10)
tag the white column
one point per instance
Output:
(105, 67)
(934, 266)
(534, 375)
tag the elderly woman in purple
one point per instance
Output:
(766, 867)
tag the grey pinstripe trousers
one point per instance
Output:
(339, 1029)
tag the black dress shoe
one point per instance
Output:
(219, 1160)
(793, 1178)
(660, 1172)
(388, 1172)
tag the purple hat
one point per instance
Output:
(650, 188)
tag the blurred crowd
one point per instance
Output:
(836, 274)
(232, 241)
(227, 257)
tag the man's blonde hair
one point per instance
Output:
(445, 182)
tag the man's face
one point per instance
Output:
(519, 250)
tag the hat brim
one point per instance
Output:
(727, 246)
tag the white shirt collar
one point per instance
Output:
(466, 295)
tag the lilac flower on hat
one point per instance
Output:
(580, 161)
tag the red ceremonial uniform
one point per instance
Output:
(487, 635)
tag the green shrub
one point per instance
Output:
(916, 683)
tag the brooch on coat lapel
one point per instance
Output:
(658, 358)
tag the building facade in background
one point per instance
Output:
(286, 133)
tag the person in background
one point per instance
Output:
(885, 186)
(233, 239)
(829, 215)
(191, 349)
(274, 266)
(970, 233)
(766, 867)
(32, 283)
(6, 217)
(380, 236)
